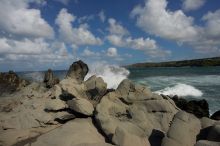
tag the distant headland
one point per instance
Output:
(215, 61)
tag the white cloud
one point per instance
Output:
(192, 4)
(116, 28)
(119, 36)
(112, 52)
(74, 35)
(32, 54)
(102, 16)
(17, 19)
(154, 18)
(89, 53)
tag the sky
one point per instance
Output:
(41, 34)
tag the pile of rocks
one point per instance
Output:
(75, 112)
(10, 82)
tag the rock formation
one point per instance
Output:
(49, 79)
(10, 82)
(199, 108)
(75, 112)
(78, 71)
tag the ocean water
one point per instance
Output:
(186, 82)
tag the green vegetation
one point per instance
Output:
(196, 62)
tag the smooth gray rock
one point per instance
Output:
(78, 71)
(136, 109)
(183, 130)
(81, 105)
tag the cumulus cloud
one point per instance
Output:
(13, 16)
(74, 35)
(156, 19)
(32, 54)
(120, 37)
(88, 53)
(112, 52)
(116, 28)
(102, 16)
(189, 5)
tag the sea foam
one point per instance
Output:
(111, 74)
(181, 90)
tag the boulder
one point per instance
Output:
(216, 115)
(11, 82)
(81, 105)
(77, 132)
(78, 71)
(122, 138)
(214, 134)
(95, 88)
(135, 109)
(55, 105)
(207, 143)
(199, 108)
(183, 130)
(49, 79)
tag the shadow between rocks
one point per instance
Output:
(156, 137)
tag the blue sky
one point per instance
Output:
(41, 34)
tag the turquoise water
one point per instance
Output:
(187, 82)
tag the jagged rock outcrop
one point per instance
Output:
(199, 108)
(75, 112)
(96, 88)
(10, 82)
(135, 109)
(78, 71)
(49, 79)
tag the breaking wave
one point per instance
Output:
(181, 90)
(111, 74)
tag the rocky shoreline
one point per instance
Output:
(74, 112)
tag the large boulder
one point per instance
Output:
(74, 133)
(183, 130)
(122, 138)
(81, 105)
(135, 109)
(199, 108)
(49, 79)
(96, 88)
(10, 82)
(78, 71)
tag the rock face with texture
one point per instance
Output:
(10, 82)
(81, 105)
(183, 130)
(78, 71)
(49, 79)
(77, 132)
(96, 88)
(135, 109)
(216, 115)
(199, 108)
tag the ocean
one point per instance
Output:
(186, 82)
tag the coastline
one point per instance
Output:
(74, 112)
